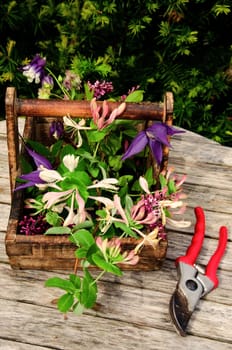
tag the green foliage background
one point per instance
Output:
(184, 46)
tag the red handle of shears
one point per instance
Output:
(197, 240)
(214, 261)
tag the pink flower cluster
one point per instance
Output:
(100, 88)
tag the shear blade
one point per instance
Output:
(179, 312)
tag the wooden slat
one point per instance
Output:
(118, 304)
(133, 310)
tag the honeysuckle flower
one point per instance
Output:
(35, 69)
(155, 136)
(108, 184)
(82, 213)
(111, 250)
(51, 198)
(108, 203)
(144, 184)
(152, 238)
(120, 210)
(75, 128)
(32, 203)
(69, 219)
(130, 258)
(71, 162)
(106, 118)
(178, 223)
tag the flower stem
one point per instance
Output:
(98, 277)
(65, 92)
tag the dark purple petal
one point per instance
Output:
(38, 159)
(33, 177)
(158, 132)
(56, 129)
(47, 80)
(137, 145)
(24, 185)
(157, 150)
(172, 131)
(38, 63)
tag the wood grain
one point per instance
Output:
(132, 311)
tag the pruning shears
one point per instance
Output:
(193, 283)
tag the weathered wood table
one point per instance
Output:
(133, 311)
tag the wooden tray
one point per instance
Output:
(57, 252)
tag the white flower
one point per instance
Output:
(144, 184)
(108, 203)
(53, 198)
(30, 74)
(49, 175)
(178, 223)
(76, 127)
(108, 183)
(70, 161)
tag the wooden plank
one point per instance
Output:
(6, 344)
(41, 326)
(143, 305)
(133, 310)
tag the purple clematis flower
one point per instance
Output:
(155, 136)
(33, 177)
(35, 69)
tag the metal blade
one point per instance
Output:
(179, 311)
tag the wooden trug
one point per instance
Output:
(57, 252)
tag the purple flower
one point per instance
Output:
(56, 129)
(35, 69)
(38, 159)
(47, 81)
(100, 88)
(155, 136)
(33, 177)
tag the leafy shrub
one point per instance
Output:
(181, 46)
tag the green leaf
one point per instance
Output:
(59, 230)
(171, 187)
(89, 290)
(115, 162)
(65, 302)
(61, 283)
(125, 179)
(85, 224)
(84, 238)
(53, 218)
(149, 177)
(88, 93)
(135, 96)
(75, 280)
(125, 229)
(81, 253)
(96, 135)
(163, 181)
(104, 265)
